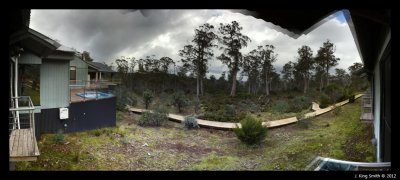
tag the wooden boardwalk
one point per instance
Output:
(23, 146)
(269, 124)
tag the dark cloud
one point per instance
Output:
(108, 34)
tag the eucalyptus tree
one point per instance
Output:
(304, 65)
(326, 58)
(232, 40)
(197, 54)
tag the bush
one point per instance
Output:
(298, 104)
(122, 98)
(280, 107)
(156, 118)
(190, 122)
(59, 138)
(252, 131)
(352, 98)
(324, 101)
(147, 98)
(196, 105)
(179, 100)
(230, 110)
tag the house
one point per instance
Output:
(39, 97)
(81, 70)
(99, 71)
(372, 34)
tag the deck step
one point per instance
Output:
(23, 145)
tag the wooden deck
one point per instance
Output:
(22, 146)
(367, 117)
(268, 124)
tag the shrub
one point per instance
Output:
(252, 131)
(156, 118)
(147, 98)
(280, 107)
(298, 104)
(324, 101)
(190, 122)
(59, 138)
(196, 105)
(122, 98)
(179, 100)
(230, 110)
(352, 98)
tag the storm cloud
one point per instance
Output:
(110, 34)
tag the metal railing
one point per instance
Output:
(366, 107)
(81, 90)
(22, 116)
(328, 164)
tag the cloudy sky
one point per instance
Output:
(109, 34)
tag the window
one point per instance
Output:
(29, 82)
(72, 73)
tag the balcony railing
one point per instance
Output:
(22, 128)
(91, 90)
(328, 164)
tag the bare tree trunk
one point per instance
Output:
(327, 76)
(249, 82)
(321, 83)
(305, 85)
(201, 86)
(198, 86)
(233, 91)
(266, 84)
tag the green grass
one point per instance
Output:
(169, 147)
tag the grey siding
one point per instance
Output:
(54, 84)
(81, 68)
(29, 58)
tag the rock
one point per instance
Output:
(148, 154)
(145, 144)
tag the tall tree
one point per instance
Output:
(304, 65)
(122, 68)
(86, 56)
(165, 62)
(252, 69)
(141, 65)
(287, 72)
(197, 54)
(326, 59)
(232, 40)
(356, 81)
(267, 56)
(342, 77)
(132, 64)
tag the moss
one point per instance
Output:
(214, 162)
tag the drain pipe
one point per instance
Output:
(11, 89)
(16, 88)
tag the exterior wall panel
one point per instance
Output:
(54, 84)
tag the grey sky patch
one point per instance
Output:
(110, 34)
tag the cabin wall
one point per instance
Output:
(81, 68)
(54, 84)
